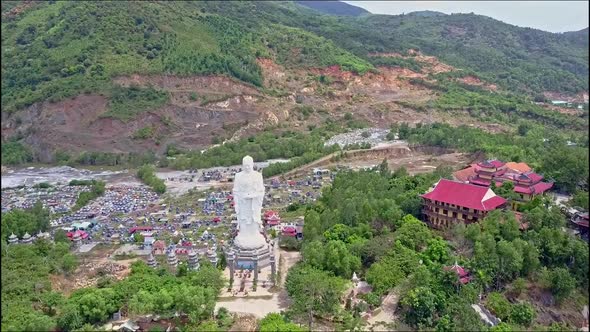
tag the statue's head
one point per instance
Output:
(247, 164)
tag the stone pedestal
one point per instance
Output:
(152, 262)
(255, 268)
(245, 258)
(12, 239)
(172, 260)
(193, 260)
(212, 256)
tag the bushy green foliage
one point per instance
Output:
(522, 314)
(562, 283)
(146, 291)
(28, 303)
(126, 103)
(30, 221)
(314, 292)
(543, 149)
(86, 196)
(146, 173)
(360, 216)
(15, 153)
(144, 133)
(276, 322)
(299, 147)
(580, 199)
(499, 305)
(56, 50)
(498, 107)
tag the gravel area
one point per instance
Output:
(375, 136)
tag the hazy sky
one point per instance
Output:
(554, 16)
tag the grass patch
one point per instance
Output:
(126, 103)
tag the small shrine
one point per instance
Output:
(462, 274)
(27, 239)
(172, 259)
(12, 239)
(193, 260)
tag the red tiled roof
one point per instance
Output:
(491, 163)
(457, 269)
(538, 188)
(289, 231)
(483, 182)
(270, 213)
(464, 174)
(534, 177)
(82, 234)
(479, 182)
(493, 203)
(461, 273)
(465, 280)
(464, 195)
(541, 187)
(159, 244)
(583, 223)
(519, 167)
(523, 190)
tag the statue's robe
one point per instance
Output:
(248, 194)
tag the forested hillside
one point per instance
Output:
(58, 49)
(63, 64)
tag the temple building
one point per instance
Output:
(463, 276)
(271, 218)
(451, 201)
(527, 184)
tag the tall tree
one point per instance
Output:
(314, 292)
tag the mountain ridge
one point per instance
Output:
(334, 7)
(66, 57)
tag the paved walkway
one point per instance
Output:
(260, 307)
(387, 313)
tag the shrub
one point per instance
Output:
(522, 314)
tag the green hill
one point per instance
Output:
(333, 7)
(52, 50)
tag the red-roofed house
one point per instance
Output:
(290, 231)
(527, 184)
(465, 174)
(451, 201)
(82, 234)
(272, 218)
(518, 167)
(463, 275)
(159, 247)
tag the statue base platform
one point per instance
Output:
(244, 258)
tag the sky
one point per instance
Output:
(554, 16)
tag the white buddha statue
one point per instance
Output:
(248, 195)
